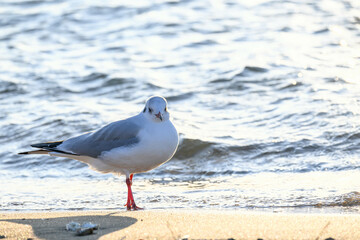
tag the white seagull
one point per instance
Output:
(133, 145)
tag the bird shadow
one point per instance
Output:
(54, 228)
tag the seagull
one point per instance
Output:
(133, 145)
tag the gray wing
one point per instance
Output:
(117, 134)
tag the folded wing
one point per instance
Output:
(93, 144)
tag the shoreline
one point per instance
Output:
(180, 224)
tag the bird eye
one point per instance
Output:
(150, 110)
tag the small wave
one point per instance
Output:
(285, 29)
(344, 140)
(279, 156)
(221, 80)
(201, 43)
(181, 176)
(180, 96)
(245, 148)
(153, 86)
(115, 49)
(231, 82)
(8, 87)
(348, 200)
(93, 77)
(335, 80)
(115, 82)
(278, 152)
(292, 86)
(280, 100)
(250, 70)
(191, 147)
(166, 66)
(321, 31)
(351, 199)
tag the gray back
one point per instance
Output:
(117, 134)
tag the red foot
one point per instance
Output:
(133, 207)
(130, 205)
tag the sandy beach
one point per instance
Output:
(181, 224)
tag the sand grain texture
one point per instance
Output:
(178, 224)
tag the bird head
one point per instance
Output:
(156, 109)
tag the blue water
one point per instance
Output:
(264, 94)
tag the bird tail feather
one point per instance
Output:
(46, 148)
(35, 152)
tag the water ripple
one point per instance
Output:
(249, 96)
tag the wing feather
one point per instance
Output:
(117, 134)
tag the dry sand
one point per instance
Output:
(179, 224)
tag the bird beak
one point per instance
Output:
(158, 115)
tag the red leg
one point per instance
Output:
(129, 183)
(130, 205)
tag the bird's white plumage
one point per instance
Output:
(158, 142)
(153, 143)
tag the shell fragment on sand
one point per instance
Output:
(86, 228)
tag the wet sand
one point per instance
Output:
(180, 224)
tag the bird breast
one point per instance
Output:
(158, 143)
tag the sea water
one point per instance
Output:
(264, 94)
